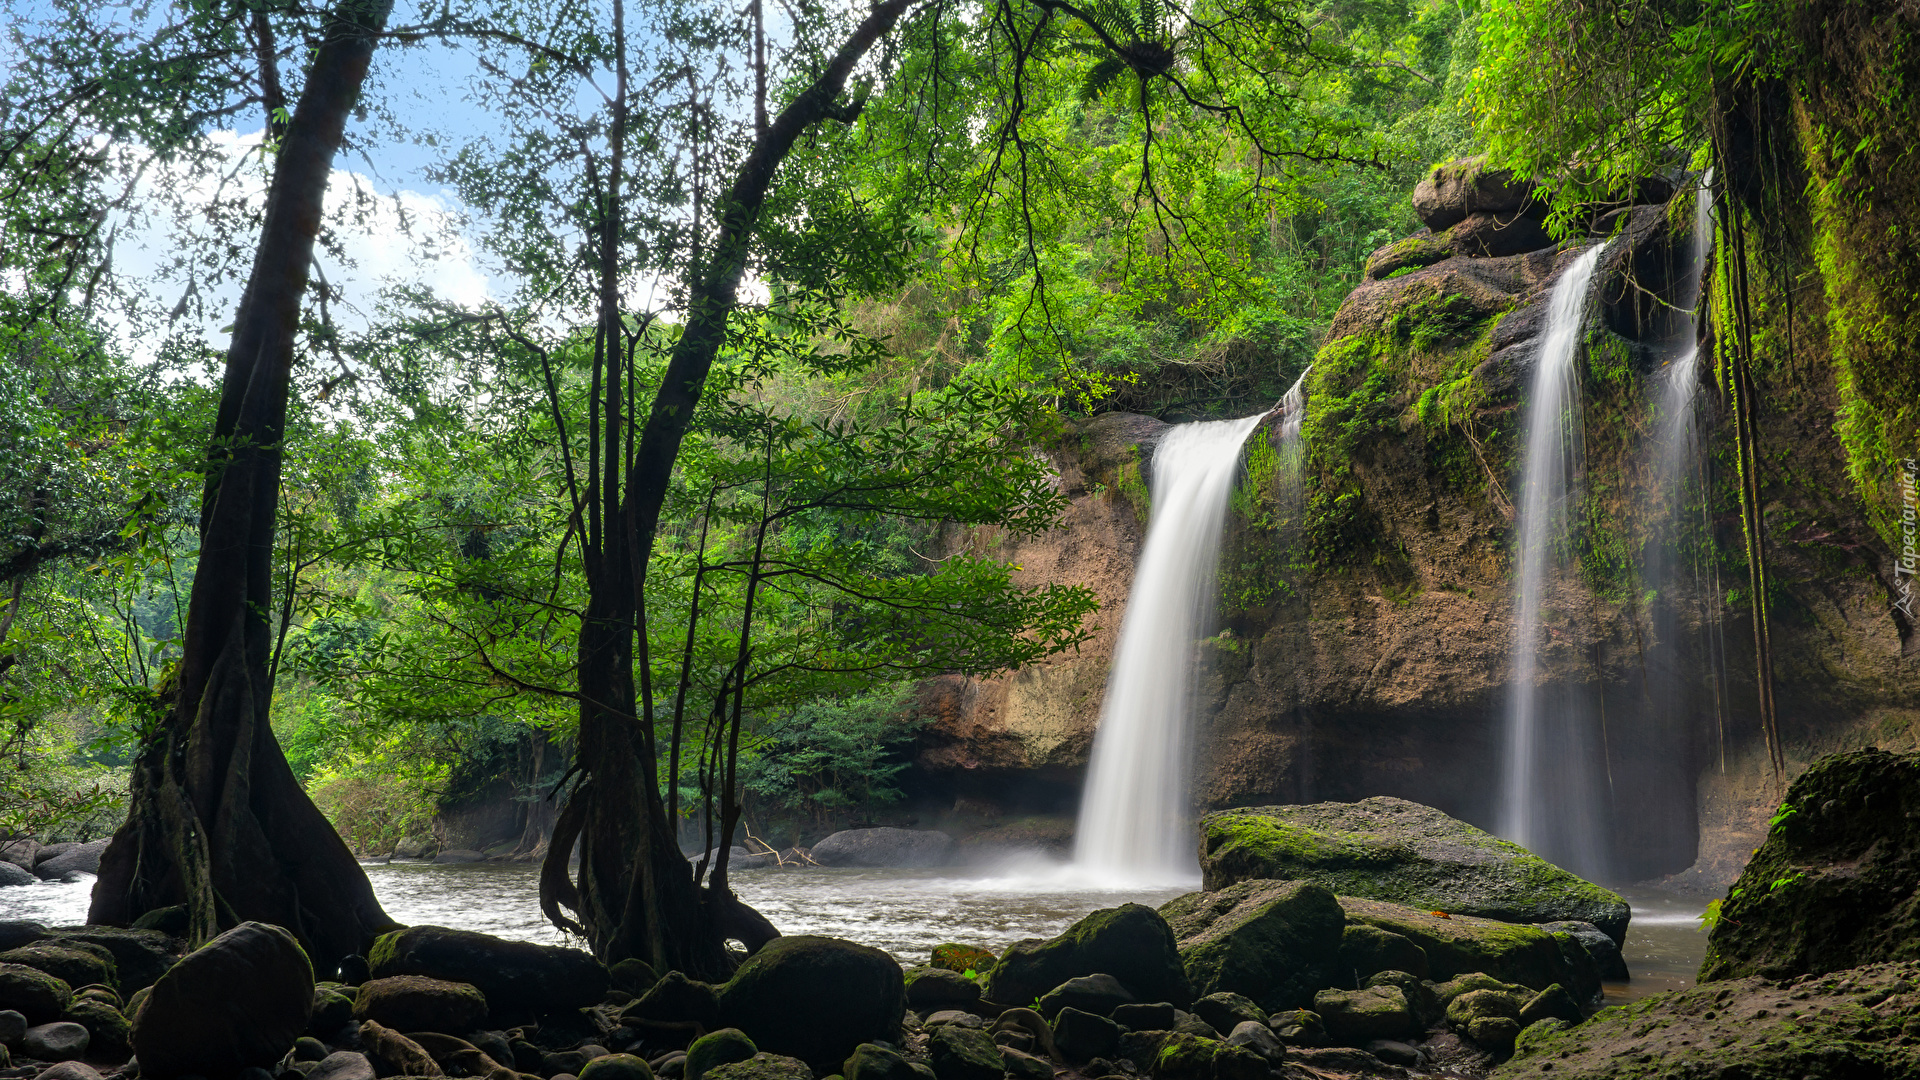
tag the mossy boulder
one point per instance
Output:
(960, 1053)
(1453, 190)
(1366, 950)
(1275, 942)
(33, 993)
(870, 1061)
(1422, 249)
(674, 998)
(1356, 1017)
(236, 1002)
(1184, 1056)
(72, 962)
(518, 978)
(1132, 943)
(963, 958)
(1390, 849)
(1458, 945)
(816, 999)
(617, 1067)
(140, 957)
(417, 1003)
(930, 989)
(1858, 1023)
(110, 1034)
(762, 1066)
(1836, 883)
(716, 1048)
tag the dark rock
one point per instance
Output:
(517, 978)
(1639, 286)
(1368, 950)
(723, 1047)
(69, 1070)
(460, 855)
(1185, 1057)
(1030, 1022)
(1341, 1061)
(1299, 1027)
(343, 1065)
(1024, 1066)
(1018, 1040)
(676, 998)
(934, 988)
(634, 976)
(1833, 885)
(1479, 1004)
(33, 993)
(398, 1053)
(962, 958)
(1553, 1003)
(1483, 234)
(815, 998)
(628, 1067)
(1225, 1011)
(672, 1065)
(1460, 944)
(62, 1041)
(1275, 942)
(332, 1010)
(1401, 852)
(13, 1027)
(171, 921)
(1193, 1025)
(21, 851)
(763, 1066)
(1231, 1062)
(422, 846)
(1427, 1007)
(870, 1061)
(495, 1045)
(1600, 948)
(1155, 1016)
(1493, 1033)
(884, 848)
(140, 956)
(78, 859)
(418, 1003)
(17, 932)
(1355, 1017)
(13, 874)
(1142, 1047)
(1395, 1052)
(1132, 943)
(1450, 192)
(527, 1058)
(354, 970)
(1257, 1037)
(240, 1000)
(570, 1062)
(964, 1054)
(48, 851)
(1097, 994)
(956, 1017)
(308, 1048)
(73, 963)
(110, 1034)
(1083, 1036)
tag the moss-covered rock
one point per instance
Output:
(1836, 884)
(417, 1003)
(716, 1048)
(815, 998)
(1184, 1056)
(870, 1061)
(932, 988)
(38, 996)
(762, 1066)
(1422, 249)
(1390, 849)
(963, 958)
(1276, 942)
(1355, 1017)
(72, 962)
(140, 956)
(1859, 1023)
(110, 1035)
(960, 1053)
(517, 977)
(1367, 950)
(1458, 944)
(238, 1001)
(674, 998)
(1132, 943)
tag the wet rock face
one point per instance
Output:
(1390, 849)
(1861, 1023)
(1837, 882)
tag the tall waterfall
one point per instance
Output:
(1133, 817)
(1547, 798)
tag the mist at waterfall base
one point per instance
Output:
(1553, 794)
(1134, 820)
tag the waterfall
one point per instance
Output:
(1134, 815)
(1546, 798)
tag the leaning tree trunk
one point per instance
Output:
(636, 895)
(218, 823)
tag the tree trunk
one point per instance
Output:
(218, 822)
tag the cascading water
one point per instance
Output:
(1547, 799)
(1133, 817)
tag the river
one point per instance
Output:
(905, 912)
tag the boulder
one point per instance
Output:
(33, 993)
(621, 1067)
(77, 859)
(460, 855)
(1835, 884)
(1235, 1062)
(17, 932)
(884, 848)
(1495, 1034)
(930, 989)
(13, 1028)
(416, 847)
(1097, 994)
(676, 998)
(1299, 1027)
(238, 1001)
(140, 957)
(61, 1041)
(1421, 998)
(1474, 1005)
(1157, 1016)
(1451, 191)
(1352, 1017)
(109, 1033)
(762, 1066)
(1225, 1011)
(14, 874)
(723, 1047)
(963, 958)
(518, 978)
(170, 920)
(1031, 1023)
(74, 963)
(815, 998)
(401, 1055)
(69, 1070)
(1024, 1066)
(1484, 233)
(1421, 249)
(961, 1053)
(417, 1003)
(1456, 945)
(1132, 943)
(1553, 1003)
(1383, 848)
(1275, 942)
(1082, 1036)
(871, 1061)
(1600, 948)
(21, 851)
(633, 975)
(308, 1048)
(1258, 1038)
(1185, 1057)
(1366, 950)
(332, 1010)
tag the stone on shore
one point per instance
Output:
(15, 874)
(516, 977)
(815, 998)
(883, 848)
(62, 1041)
(1275, 942)
(33, 993)
(1132, 943)
(418, 1003)
(1401, 852)
(239, 1001)
(77, 859)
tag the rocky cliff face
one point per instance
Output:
(1367, 615)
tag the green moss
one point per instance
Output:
(1132, 486)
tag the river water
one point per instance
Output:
(905, 912)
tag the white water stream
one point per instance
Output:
(1542, 806)
(1134, 820)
